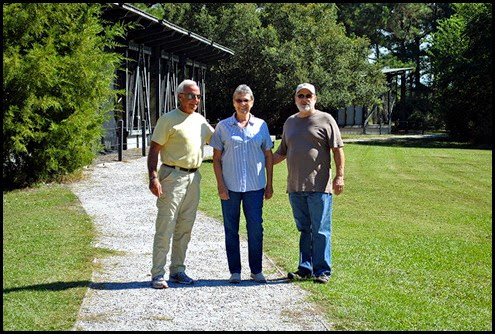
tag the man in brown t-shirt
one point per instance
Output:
(308, 140)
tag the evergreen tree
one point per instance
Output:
(57, 87)
(461, 54)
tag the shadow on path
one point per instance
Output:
(59, 286)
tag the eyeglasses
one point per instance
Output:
(302, 96)
(192, 96)
(240, 101)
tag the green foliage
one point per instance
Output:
(57, 88)
(314, 48)
(461, 55)
(365, 20)
(277, 46)
(398, 34)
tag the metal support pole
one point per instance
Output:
(143, 135)
(121, 138)
(137, 133)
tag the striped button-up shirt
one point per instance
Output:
(243, 159)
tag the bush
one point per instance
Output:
(462, 66)
(57, 88)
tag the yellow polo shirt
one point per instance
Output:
(182, 137)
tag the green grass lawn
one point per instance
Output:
(412, 242)
(46, 258)
(412, 236)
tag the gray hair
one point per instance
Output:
(186, 82)
(243, 89)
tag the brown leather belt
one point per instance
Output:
(190, 170)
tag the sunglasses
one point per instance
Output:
(192, 96)
(302, 96)
(240, 101)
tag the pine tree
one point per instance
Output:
(57, 88)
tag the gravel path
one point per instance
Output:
(120, 297)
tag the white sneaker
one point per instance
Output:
(159, 283)
(235, 278)
(258, 277)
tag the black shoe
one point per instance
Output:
(322, 279)
(297, 276)
(181, 278)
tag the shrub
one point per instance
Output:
(57, 84)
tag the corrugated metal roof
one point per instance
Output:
(166, 35)
(396, 70)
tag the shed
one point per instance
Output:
(358, 119)
(159, 56)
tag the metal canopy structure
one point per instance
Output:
(380, 114)
(396, 71)
(166, 35)
(159, 55)
(391, 96)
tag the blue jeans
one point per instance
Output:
(252, 205)
(313, 215)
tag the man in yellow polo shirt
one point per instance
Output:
(179, 137)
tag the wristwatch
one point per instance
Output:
(153, 177)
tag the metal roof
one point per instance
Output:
(396, 70)
(166, 35)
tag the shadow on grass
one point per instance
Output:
(433, 142)
(60, 286)
(55, 286)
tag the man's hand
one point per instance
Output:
(223, 192)
(156, 187)
(268, 192)
(338, 185)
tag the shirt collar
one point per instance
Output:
(234, 121)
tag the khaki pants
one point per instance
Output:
(177, 208)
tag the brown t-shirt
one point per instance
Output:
(306, 143)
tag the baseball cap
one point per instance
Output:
(307, 86)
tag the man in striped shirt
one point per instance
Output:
(241, 154)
